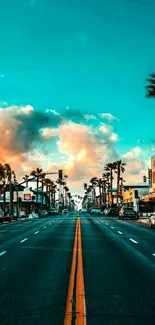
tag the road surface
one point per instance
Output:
(68, 270)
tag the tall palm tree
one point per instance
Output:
(15, 183)
(111, 167)
(26, 177)
(100, 186)
(151, 86)
(3, 179)
(38, 174)
(94, 182)
(8, 175)
(120, 169)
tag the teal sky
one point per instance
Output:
(91, 55)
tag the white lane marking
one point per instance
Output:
(134, 241)
(22, 241)
(36, 232)
(153, 254)
(120, 232)
(50, 224)
(45, 227)
(2, 253)
(112, 227)
(106, 224)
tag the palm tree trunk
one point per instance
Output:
(37, 189)
(111, 185)
(100, 194)
(42, 197)
(118, 181)
(11, 198)
(4, 200)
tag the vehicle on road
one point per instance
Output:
(64, 211)
(128, 213)
(96, 211)
(83, 210)
(111, 212)
(6, 218)
(33, 216)
(42, 213)
(52, 212)
(152, 221)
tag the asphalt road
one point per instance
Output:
(41, 275)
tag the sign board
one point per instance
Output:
(27, 197)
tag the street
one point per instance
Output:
(77, 270)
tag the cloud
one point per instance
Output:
(89, 117)
(49, 132)
(133, 153)
(108, 117)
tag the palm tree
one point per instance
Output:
(151, 87)
(119, 170)
(100, 186)
(15, 183)
(110, 168)
(8, 175)
(94, 182)
(3, 179)
(26, 177)
(38, 174)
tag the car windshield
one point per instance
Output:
(77, 162)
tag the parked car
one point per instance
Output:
(52, 212)
(6, 218)
(83, 210)
(96, 211)
(42, 213)
(128, 213)
(152, 220)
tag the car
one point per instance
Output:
(83, 210)
(111, 212)
(96, 211)
(65, 211)
(33, 216)
(42, 213)
(128, 212)
(52, 212)
(152, 221)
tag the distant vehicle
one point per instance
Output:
(96, 211)
(65, 211)
(33, 216)
(42, 213)
(152, 221)
(52, 212)
(128, 213)
(111, 212)
(83, 210)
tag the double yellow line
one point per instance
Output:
(76, 270)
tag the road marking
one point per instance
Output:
(112, 227)
(36, 232)
(134, 241)
(45, 227)
(106, 224)
(69, 303)
(80, 291)
(153, 254)
(22, 241)
(2, 253)
(120, 232)
(50, 224)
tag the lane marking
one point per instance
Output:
(50, 224)
(80, 291)
(112, 227)
(153, 254)
(69, 303)
(36, 232)
(120, 232)
(2, 253)
(134, 241)
(106, 224)
(22, 241)
(45, 227)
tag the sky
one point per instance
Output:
(72, 86)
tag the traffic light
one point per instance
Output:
(144, 179)
(60, 175)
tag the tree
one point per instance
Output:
(26, 177)
(151, 87)
(119, 170)
(94, 182)
(3, 179)
(37, 174)
(8, 176)
(111, 167)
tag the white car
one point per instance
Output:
(33, 216)
(152, 220)
(96, 211)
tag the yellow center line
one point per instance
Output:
(69, 303)
(80, 292)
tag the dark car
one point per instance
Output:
(128, 213)
(111, 212)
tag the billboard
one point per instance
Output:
(27, 197)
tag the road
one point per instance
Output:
(67, 270)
